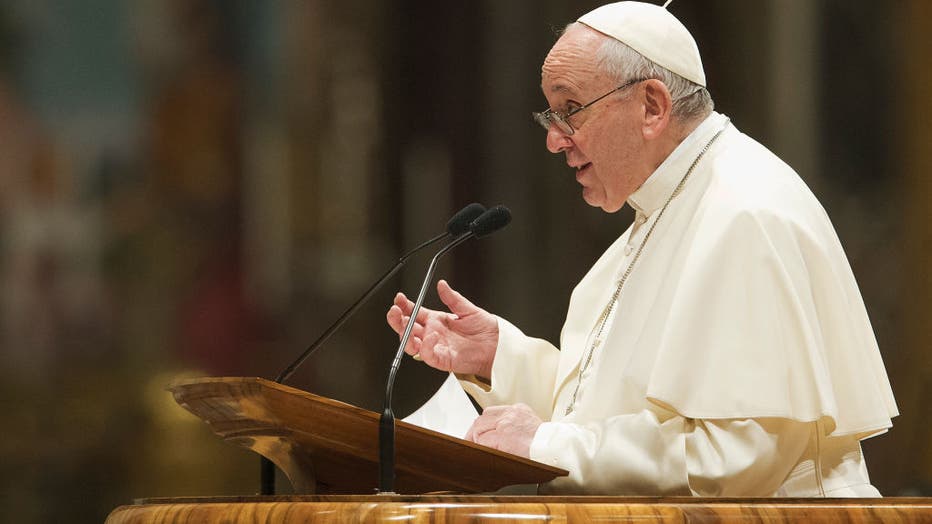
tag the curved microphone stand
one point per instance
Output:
(387, 419)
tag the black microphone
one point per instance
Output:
(486, 224)
(457, 225)
(490, 221)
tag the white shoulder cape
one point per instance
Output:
(742, 305)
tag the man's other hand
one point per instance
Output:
(506, 428)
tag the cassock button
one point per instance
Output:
(628, 249)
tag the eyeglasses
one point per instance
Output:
(550, 117)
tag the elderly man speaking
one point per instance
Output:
(720, 346)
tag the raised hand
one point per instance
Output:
(462, 340)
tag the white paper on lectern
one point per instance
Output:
(449, 411)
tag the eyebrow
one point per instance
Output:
(560, 88)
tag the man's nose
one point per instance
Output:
(557, 141)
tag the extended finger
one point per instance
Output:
(413, 346)
(418, 330)
(457, 303)
(406, 307)
(398, 322)
(395, 319)
(428, 352)
(402, 303)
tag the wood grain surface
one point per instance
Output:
(440, 508)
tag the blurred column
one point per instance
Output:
(332, 111)
(508, 178)
(793, 76)
(913, 367)
(426, 172)
(432, 125)
(332, 108)
(267, 184)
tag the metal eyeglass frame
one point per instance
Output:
(548, 117)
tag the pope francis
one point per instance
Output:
(720, 346)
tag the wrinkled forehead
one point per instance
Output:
(572, 62)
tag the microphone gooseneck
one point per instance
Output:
(458, 224)
(486, 224)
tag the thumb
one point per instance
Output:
(457, 303)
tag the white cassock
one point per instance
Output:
(739, 359)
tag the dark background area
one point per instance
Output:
(199, 187)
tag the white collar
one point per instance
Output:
(658, 187)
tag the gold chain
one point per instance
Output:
(603, 318)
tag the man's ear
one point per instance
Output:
(658, 108)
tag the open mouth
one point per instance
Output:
(582, 168)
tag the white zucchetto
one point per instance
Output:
(652, 31)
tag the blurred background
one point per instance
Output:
(199, 187)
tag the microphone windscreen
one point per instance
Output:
(491, 221)
(459, 223)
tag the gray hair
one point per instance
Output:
(690, 100)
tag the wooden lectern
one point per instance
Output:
(326, 446)
(332, 447)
